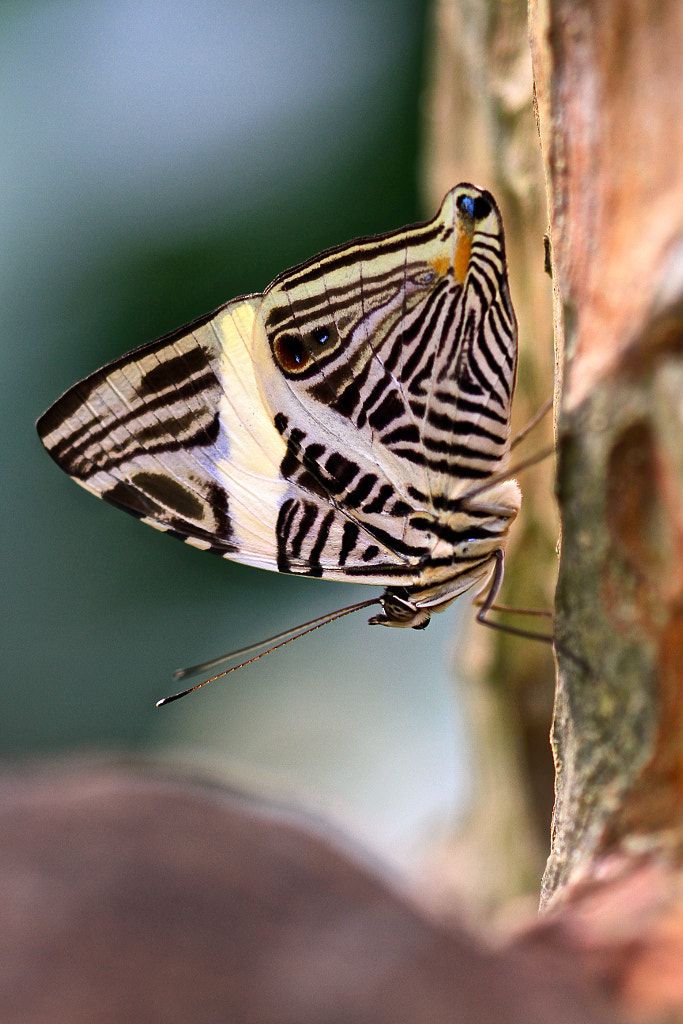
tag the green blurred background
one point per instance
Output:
(159, 158)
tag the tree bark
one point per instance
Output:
(609, 86)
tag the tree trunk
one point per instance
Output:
(609, 85)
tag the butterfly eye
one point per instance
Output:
(482, 208)
(291, 353)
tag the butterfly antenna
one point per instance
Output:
(277, 641)
(534, 421)
(508, 473)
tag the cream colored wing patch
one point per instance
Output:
(175, 433)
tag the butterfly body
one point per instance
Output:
(335, 425)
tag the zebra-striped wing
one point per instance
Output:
(389, 367)
(332, 426)
(176, 434)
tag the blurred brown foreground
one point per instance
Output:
(129, 895)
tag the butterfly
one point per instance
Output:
(351, 422)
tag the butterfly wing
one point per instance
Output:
(176, 433)
(328, 427)
(389, 367)
(154, 433)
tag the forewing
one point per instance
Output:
(148, 433)
(177, 434)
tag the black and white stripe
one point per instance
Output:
(332, 426)
(425, 369)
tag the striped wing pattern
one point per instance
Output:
(332, 426)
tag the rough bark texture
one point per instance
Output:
(480, 127)
(609, 82)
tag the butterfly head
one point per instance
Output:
(467, 213)
(316, 314)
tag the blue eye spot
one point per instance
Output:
(466, 205)
(321, 335)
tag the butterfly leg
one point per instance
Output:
(533, 422)
(488, 604)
